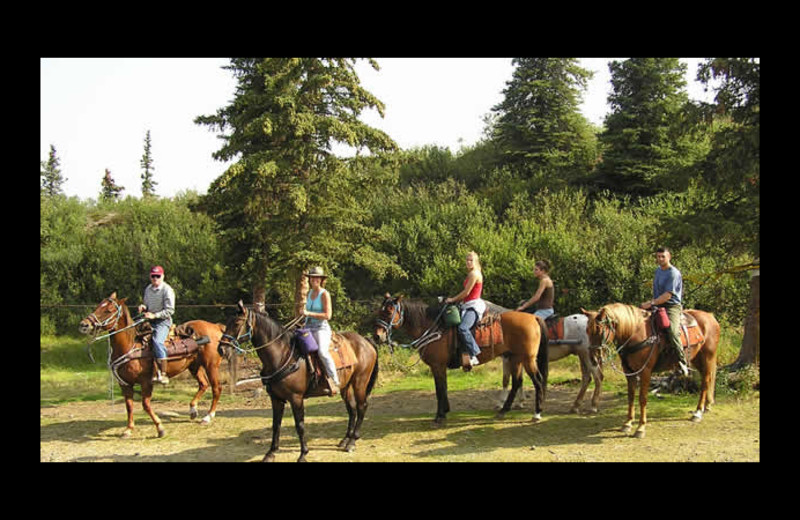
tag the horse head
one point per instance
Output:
(235, 327)
(104, 317)
(390, 316)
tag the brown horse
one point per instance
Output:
(629, 332)
(567, 336)
(287, 375)
(131, 363)
(524, 340)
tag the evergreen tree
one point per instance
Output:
(539, 126)
(645, 140)
(50, 175)
(289, 202)
(148, 184)
(110, 191)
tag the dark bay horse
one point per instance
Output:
(628, 331)
(132, 364)
(287, 375)
(524, 340)
(567, 336)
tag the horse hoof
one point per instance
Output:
(536, 418)
(269, 457)
(594, 409)
(193, 413)
(696, 417)
(626, 428)
(126, 434)
(162, 433)
(639, 434)
(343, 443)
(302, 458)
(206, 421)
(574, 409)
(351, 447)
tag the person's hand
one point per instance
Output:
(141, 308)
(448, 300)
(149, 315)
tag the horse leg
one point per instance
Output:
(507, 377)
(298, 410)
(216, 391)
(516, 383)
(442, 403)
(199, 373)
(350, 404)
(278, 406)
(127, 392)
(534, 374)
(585, 379)
(644, 387)
(147, 393)
(626, 428)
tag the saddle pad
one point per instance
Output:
(341, 351)
(555, 329)
(488, 332)
(695, 336)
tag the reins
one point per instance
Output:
(429, 336)
(605, 344)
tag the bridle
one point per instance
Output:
(608, 344)
(398, 312)
(115, 316)
(247, 336)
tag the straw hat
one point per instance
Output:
(316, 272)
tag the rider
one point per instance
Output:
(473, 307)
(318, 311)
(668, 292)
(545, 294)
(159, 302)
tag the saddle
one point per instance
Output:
(181, 341)
(343, 357)
(487, 333)
(691, 335)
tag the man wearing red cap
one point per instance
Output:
(159, 304)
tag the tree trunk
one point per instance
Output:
(300, 293)
(751, 344)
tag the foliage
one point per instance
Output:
(148, 184)
(50, 175)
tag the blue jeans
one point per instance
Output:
(160, 332)
(467, 321)
(544, 313)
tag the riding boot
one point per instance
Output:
(162, 374)
(334, 386)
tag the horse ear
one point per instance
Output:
(241, 306)
(122, 301)
(387, 296)
(113, 295)
(400, 297)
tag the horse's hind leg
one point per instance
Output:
(508, 376)
(514, 369)
(212, 375)
(199, 373)
(586, 378)
(348, 443)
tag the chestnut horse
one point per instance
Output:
(524, 340)
(287, 375)
(627, 330)
(575, 341)
(131, 363)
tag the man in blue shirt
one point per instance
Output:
(668, 293)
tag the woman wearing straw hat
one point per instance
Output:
(318, 311)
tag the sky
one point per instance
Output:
(97, 112)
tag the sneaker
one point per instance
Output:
(474, 361)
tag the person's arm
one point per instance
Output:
(662, 299)
(472, 278)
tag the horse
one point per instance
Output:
(567, 336)
(287, 375)
(521, 336)
(131, 363)
(628, 330)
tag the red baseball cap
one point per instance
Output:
(157, 270)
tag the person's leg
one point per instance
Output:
(160, 333)
(323, 338)
(468, 319)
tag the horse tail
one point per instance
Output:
(542, 357)
(374, 377)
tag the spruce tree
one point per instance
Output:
(148, 184)
(50, 175)
(110, 191)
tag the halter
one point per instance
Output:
(247, 336)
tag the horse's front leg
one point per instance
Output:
(350, 404)
(644, 387)
(585, 380)
(278, 406)
(626, 428)
(298, 410)
(147, 394)
(127, 392)
(442, 403)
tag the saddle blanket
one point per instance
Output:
(488, 331)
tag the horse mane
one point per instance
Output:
(266, 325)
(626, 318)
(418, 313)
